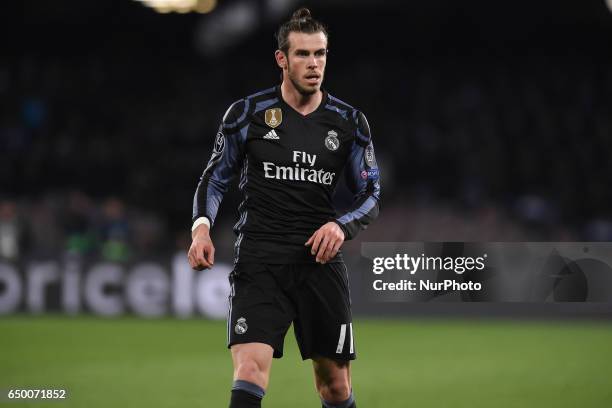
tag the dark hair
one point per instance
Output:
(302, 22)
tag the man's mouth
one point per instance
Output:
(313, 78)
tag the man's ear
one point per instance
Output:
(281, 59)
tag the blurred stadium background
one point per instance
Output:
(492, 122)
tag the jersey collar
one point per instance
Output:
(321, 106)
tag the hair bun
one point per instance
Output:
(301, 22)
(300, 14)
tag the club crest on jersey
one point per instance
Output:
(241, 326)
(331, 141)
(273, 117)
(219, 143)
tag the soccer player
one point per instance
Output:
(290, 143)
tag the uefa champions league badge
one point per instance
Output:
(331, 141)
(273, 117)
(241, 326)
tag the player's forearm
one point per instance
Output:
(365, 211)
(207, 199)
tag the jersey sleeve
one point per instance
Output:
(363, 179)
(225, 162)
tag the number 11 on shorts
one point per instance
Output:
(342, 337)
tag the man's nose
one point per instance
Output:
(312, 62)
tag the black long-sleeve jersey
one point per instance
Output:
(289, 166)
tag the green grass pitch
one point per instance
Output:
(135, 363)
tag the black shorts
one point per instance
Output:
(266, 298)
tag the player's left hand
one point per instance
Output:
(326, 241)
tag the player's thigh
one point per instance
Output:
(259, 310)
(324, 324)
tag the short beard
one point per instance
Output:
(300, 89)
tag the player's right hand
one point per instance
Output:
(201, 253)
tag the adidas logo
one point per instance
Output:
(271, 135)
